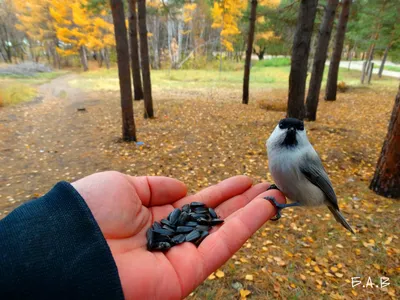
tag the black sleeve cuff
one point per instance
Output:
(52, 248)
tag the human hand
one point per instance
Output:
(125, 207)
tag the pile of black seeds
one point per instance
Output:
(192, 224)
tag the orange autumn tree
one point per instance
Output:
(37, 23)
(264, 36)
(79, 29)
(226, 15)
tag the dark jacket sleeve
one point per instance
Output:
(52, 248)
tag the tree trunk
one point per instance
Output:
(386, 181)
(351, 55)
(320, 59)
(260, 55)
(180, 39)
(144, 55)
(121, 39)
(252, 26)
(133, 38)
(107, 58)
(155, 44)
(371, 69)
(300, 52)
(384, 60)
(363, 71)
(331, 85)
(100, 58)
(84, 62)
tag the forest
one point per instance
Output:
(191, 89)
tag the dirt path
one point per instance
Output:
(42, 141)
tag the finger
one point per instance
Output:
(193, 265)
(237, 229)
(216, 194)
(237, 202)
(157, 190)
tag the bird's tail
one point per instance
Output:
(339, 217)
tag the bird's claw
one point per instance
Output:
(277, 206)
(273, 187)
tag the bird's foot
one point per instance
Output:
(273, 187)
(279, 206)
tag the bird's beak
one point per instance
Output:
(291, 130)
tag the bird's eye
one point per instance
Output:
(280, 126)
(301, 127)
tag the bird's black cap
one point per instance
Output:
(291, 123)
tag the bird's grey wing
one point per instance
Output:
(314, 171)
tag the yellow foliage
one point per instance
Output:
(226, 15)
(76, 27)
(35, 20)
(188, 10)
(270, 3)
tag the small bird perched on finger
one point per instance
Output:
(298, 171)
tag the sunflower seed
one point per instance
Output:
(216, 222)
(163, 231)
(184, 229)
(200, 210)
(168, 228)
(183, 218)
(174, 216)
(191, 224)
(186, 208)
(197, 216)
(197, 204)
(161, 246)
(166, 222)
(178, 239)
(194, 235)
(150, 238)
(202, 228)
(156, 225)
(203, 235)
(212, 212)
(161, 238)
(203, 221)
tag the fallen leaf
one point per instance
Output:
(388, 241)
(339, 246)
(376, 266)
(317, 269)
(249, 277)
(211, 277)
(244, 293)
(339, 275)
(219, 274)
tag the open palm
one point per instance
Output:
(125, 207)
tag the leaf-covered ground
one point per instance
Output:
(203, 136)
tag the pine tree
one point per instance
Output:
(300, 52)
(124, 72)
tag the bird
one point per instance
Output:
(298, 172)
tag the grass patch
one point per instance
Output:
(261, 79)
(13, 93)
(273, 62)
(15, 89)
(38, 78)
(392, 68)
(389, 68)
(189, 79)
